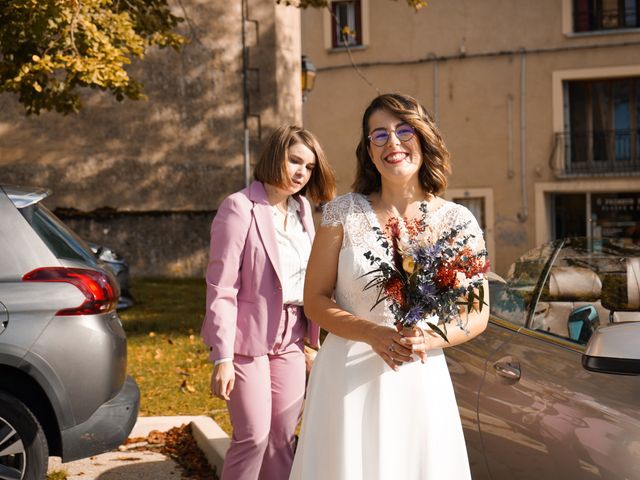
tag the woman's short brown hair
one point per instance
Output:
(435, 156)
(272, 165)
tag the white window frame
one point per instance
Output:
(328, 21)
(559, 77)
(489, 213)
(544, 190)
(559, 104)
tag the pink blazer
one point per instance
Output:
(244, 288)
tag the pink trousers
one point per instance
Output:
(265, 404)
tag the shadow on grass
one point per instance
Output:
(166, 355)
(165, 305)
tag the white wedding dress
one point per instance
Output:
(362, 420)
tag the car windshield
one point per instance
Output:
(592, 282)
(511, 300)
(56, 235)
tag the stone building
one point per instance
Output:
(146, 177)
(539, 104)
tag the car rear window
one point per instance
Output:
(56, 235)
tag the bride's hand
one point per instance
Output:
(386, 342)
(419, 342)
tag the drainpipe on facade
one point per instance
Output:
(523, 214)
(510, 172)
(245, 97)
(436, 90)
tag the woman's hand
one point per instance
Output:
(223, 379)
(387, 343)
(418, 341)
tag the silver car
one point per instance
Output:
(63, 355)
(552, 388)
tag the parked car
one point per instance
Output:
(551, 389)
(63, 353)
(120, 268)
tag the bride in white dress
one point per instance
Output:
(372, 411)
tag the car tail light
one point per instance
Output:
(98, 288)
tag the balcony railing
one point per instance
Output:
(596, 153)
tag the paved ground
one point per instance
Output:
(119, 466)
(131, 465)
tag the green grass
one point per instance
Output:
(166, 355)
(57, 475)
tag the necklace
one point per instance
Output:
(282, 209)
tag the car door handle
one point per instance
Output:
(510, 370)
(3, 325)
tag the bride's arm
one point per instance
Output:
(319, 306)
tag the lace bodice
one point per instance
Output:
(354, 213)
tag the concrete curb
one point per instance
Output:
(211, 439)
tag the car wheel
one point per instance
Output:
(23, 446)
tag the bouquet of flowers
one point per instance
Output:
(430, 275)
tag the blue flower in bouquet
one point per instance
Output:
(427, 289)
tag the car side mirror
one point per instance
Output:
(583, 321)
(614, 349)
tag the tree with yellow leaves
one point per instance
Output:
(50, 48)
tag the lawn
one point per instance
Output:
(166, 355)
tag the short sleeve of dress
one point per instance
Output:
(335, 212)
(472, 229)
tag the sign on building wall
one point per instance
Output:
(616, 215)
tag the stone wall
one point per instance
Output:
(162, 166)
(154, 244)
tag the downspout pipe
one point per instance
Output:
(245, 97)
(510, 173)
(524, 211)
(436, 91)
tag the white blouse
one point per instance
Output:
(294, 247)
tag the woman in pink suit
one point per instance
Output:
(260, 243)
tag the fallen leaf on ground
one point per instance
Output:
(185, 386)
(155, 437)
(179, 444)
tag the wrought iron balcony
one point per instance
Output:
(596, 153)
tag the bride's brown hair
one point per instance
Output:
(435, 156)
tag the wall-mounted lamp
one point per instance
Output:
(308, 76)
